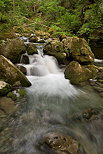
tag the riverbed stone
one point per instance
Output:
(61, 143)
(33, 38)
(79, 49)
(78, 73)
(4, 88)
(24, 59)
(12, 49)
(7, 105)
(22, 69)
(11, 74)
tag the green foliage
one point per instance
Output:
(22, 92)
(70, 17)
(12, 96)
(51, 9)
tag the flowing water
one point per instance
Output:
(53, 105)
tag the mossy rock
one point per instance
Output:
(12, 49)
(24, 59)
(4, 88)
(54, 46)
(61, 57)
(11, 74)
(79, 49)
(78, 74)
(31, 49)
(41, 41)
(12, 96)
(61, 143)
(7, 105)
(17, 94)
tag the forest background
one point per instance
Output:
(83, 18)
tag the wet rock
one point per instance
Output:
(31, 49)
(22, 69)
(90, 114)
(25, 59)
(55, 48)
(61, 57)
(98, 86)
(11, 74)
(77, 73)
(79, 49)
(33, 38)
(7, 105)
(61, 143)
(4, 88)
(101, 94)
(54, 45)
(12, 49)
(87, 115)
(41, 41)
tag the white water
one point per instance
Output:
(99, 60)
(46, 77)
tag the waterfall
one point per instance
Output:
(46, 76)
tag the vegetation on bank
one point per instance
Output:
(59, 17)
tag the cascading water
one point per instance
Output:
(52, 104)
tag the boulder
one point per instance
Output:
(7, 105)
(24, 59)
(77, 73)
(22, 69)
(61, 143)
(54, 45)
(11, 74)
(39, 35)
(12, 49)
(78, 49)
(31, 49)
(4, 88)
(55, 48)
(61, 57)
(33, 38)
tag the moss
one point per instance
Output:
(12, 96)
(100, 81)
(22, 92)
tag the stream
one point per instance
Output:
(55, 105)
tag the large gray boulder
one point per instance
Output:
(12, 49)
(11, 74)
